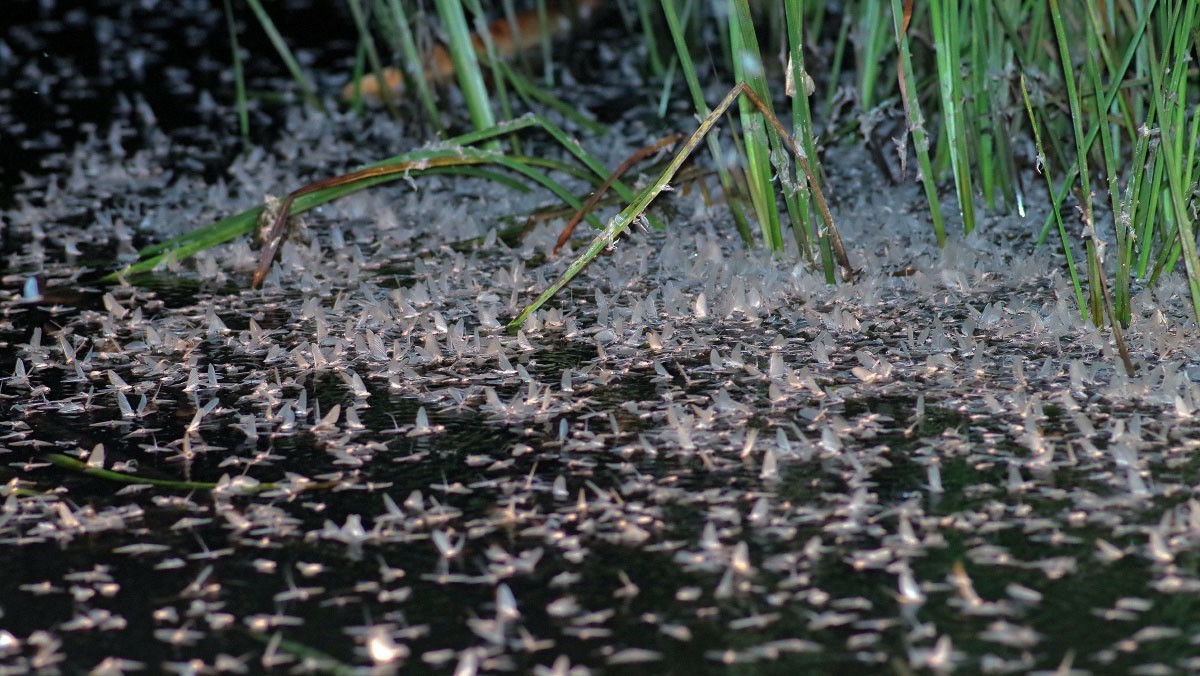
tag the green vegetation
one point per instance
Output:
(620, 223)
(456, 153)
(1106, 92)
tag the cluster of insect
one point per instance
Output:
(696, 455)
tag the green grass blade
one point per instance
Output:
(800, 207)
(621, 222)
(239, 74)
(245, 222)
(1130, 55)
(1094, 308)
(675, 27)
(466, 63)
(493, 58)
(651, 40)
(872, 39)
(916, 122)
(307, 91)
(414, 70)
(1119, 313)
(531, 93)
(357, 75)
(839, 55)
(77, 465)
(1055, 205)
(947, 46)
(547, 53)
(1171, 104)
(368, 45)
(1127, 232)
(1148, 201)
(748, 68)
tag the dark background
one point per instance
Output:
(68, 69)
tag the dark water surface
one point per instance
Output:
(696, 461)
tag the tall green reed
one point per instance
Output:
(303, 82)
(1121, 72)
(241, 100)
(955, 73)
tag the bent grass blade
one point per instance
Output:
(621, 222)
(358, 179)
(638, 156)
(370, 176)
(455, 154)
